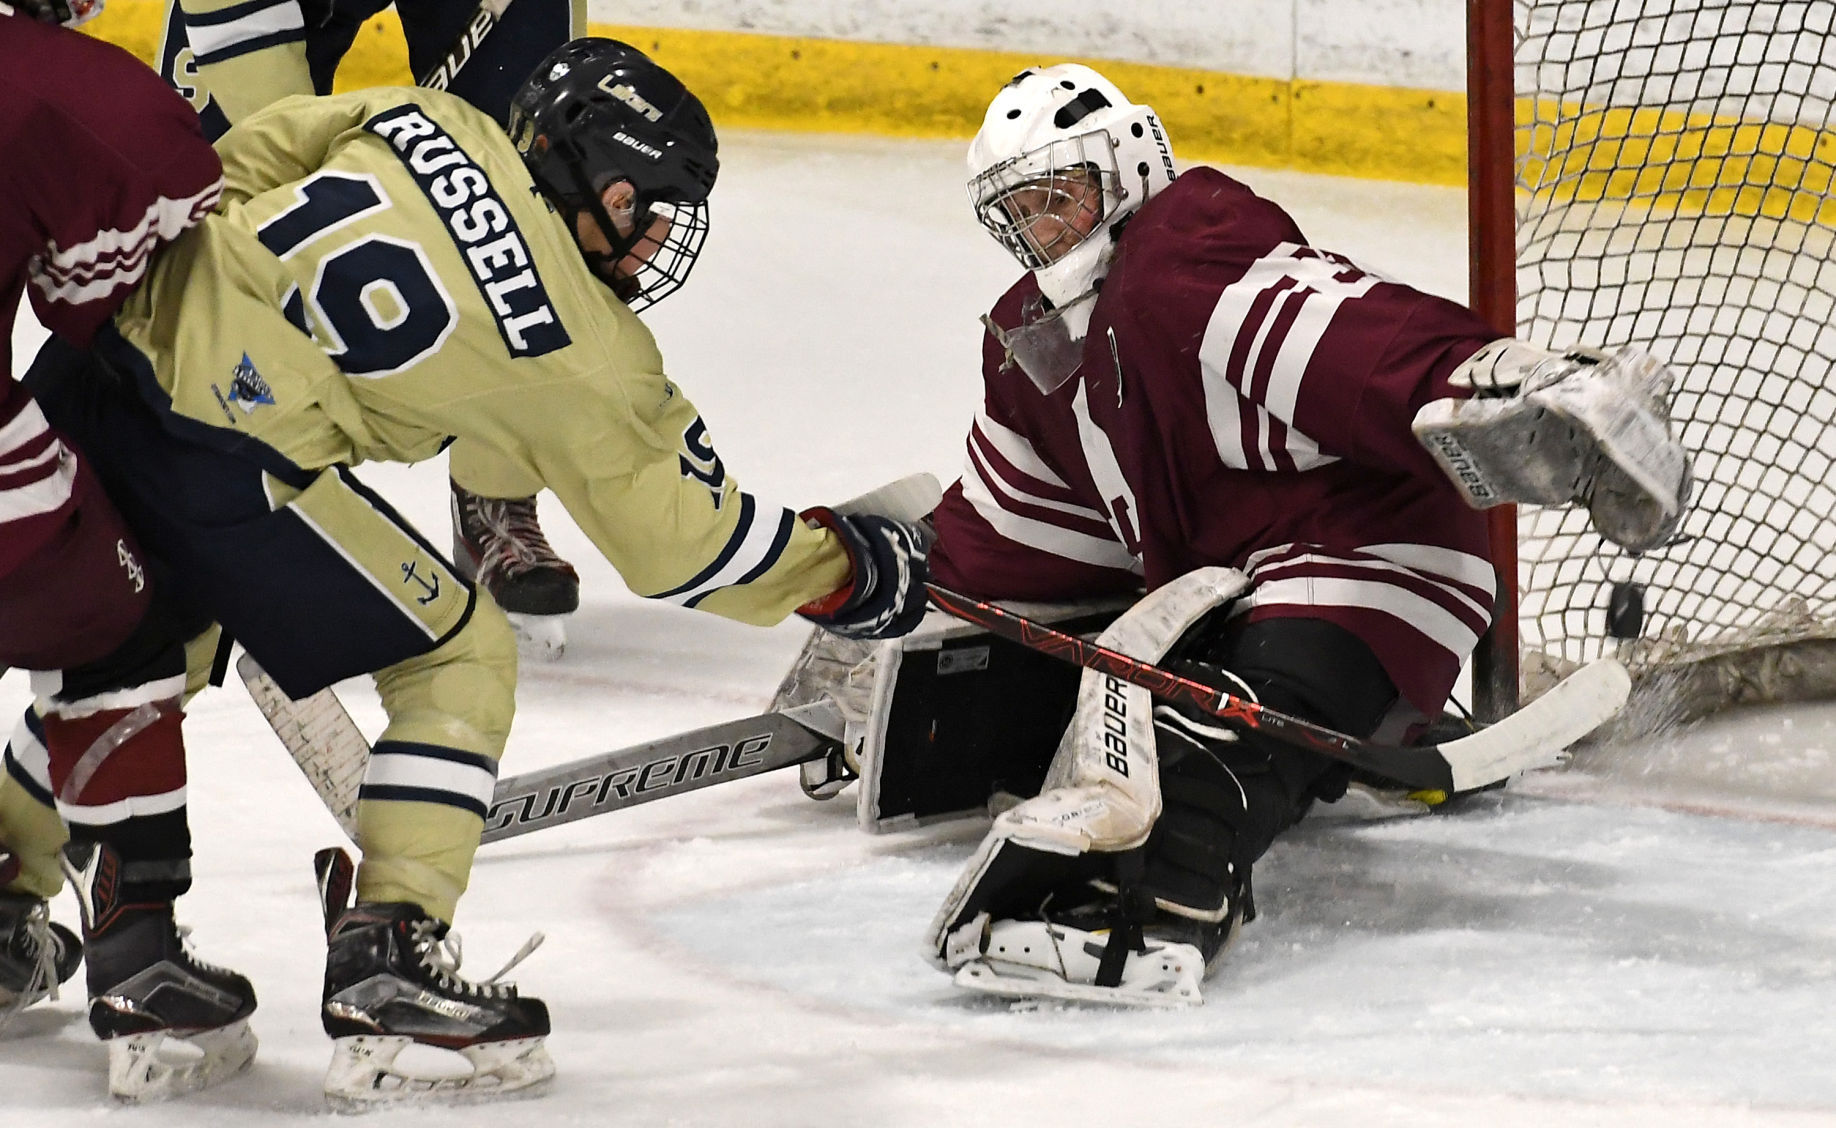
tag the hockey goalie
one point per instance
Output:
(1288, 452)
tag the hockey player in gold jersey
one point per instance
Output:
(230, 58)
(389, 271)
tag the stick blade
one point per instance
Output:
(1537, 735)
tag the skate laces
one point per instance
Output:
(33, 933)
(441, 955)
(189, 952)
(510, 540)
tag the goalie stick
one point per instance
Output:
(332, 751)
(1532, 737)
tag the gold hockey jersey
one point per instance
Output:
(382, 276)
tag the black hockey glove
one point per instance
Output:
(886, 598)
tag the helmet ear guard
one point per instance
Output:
(597, 111)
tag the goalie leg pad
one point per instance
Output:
(1101, 801)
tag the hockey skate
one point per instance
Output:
(1092, 954)
(498, 543)
(173, 1024)
(36, 954)
(391, 982)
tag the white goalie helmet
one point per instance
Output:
(1051, 130)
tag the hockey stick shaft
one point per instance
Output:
(673, 765)
(486, 16)
(333, 754)
(1528, 739)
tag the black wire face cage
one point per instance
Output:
(1059, 169)
(667, 268)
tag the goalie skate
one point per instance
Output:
(1037, 959)
(392, 983)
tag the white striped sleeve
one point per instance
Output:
(1023, 501)
(243, 28)
(116, 259)
(757, 542)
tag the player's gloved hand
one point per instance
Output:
(886, 597)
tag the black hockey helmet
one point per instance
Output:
(70, 13)
(596, 111)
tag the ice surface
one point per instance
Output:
(1644, 938)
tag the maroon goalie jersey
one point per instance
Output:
(103, 163)
(1243, 399)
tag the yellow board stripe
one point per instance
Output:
(1664, 157)
(836, 86)
(1670, 160)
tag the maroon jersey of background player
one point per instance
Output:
(104, 164)
(1243, 399)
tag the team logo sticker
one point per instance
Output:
(247, 390)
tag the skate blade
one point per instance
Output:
(542, 636)
(161, 1064)
(364, 1075)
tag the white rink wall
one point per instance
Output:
(1417, 44)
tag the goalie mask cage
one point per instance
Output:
(1659, 173)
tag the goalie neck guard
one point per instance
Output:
(596, 111)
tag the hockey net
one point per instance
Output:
(1673, 190)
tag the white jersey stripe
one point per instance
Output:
(207, 37)
(135, 806)
(49, 683)
(1433, 560)
(991, 476)
(1416, 611)
(1042, 537)
(23, 427)
(43, 495)
(1310, 562)
(429, 773)
(1014, 447)
(756, 549)
(113, 259)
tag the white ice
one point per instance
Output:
(1648, 936)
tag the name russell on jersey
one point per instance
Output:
(461, 193)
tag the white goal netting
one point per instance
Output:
(1675, 166)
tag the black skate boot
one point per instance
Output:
(173, 1024)
(36, 954)
(498, 543)
(391, 979)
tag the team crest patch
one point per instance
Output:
(247, 390)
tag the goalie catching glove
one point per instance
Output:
(884, 597)
(1552, 428)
